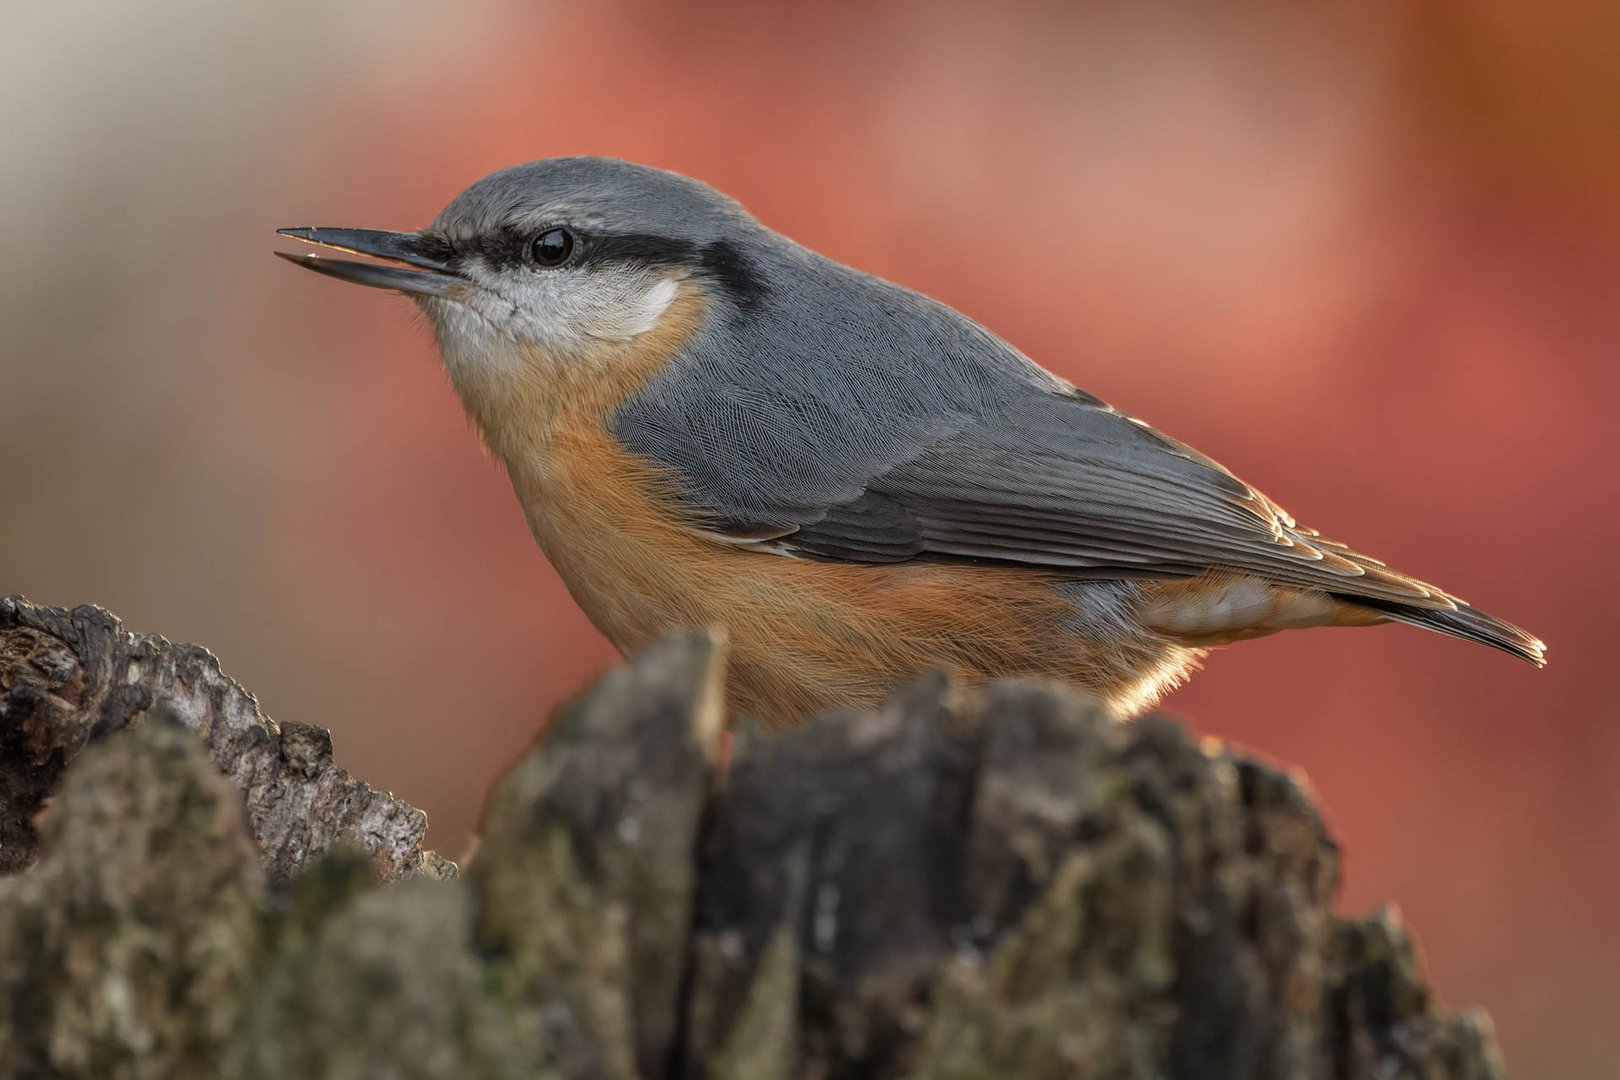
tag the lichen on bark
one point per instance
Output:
(964, 883)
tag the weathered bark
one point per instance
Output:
(989, 883)
(68, 677)
(128, 948)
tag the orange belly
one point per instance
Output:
(808, 635)
(805, 635)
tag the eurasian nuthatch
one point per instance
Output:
(707, 423)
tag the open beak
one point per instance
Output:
(434, 278)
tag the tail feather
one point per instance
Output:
(1465, 622)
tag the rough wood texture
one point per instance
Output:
(70, 677)
(126, 950)
(993, 883)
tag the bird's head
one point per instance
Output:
(556, 267)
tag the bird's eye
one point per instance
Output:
(552, 247)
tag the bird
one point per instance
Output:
(708, 424)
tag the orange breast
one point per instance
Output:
(805, 635)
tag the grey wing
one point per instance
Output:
(1085, 490)
(1059, 480)
(867, 424)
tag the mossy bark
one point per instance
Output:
(988, 883)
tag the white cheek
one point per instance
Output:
(494, 332)
(569, 312)
(642, 309)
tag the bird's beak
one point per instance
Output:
(435, 278)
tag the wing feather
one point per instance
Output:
(1076, 485)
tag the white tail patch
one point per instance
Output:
(1209, 611)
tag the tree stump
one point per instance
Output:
(994, 882)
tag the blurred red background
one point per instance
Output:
(1367, 259)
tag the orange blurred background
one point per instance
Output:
(1368, 259)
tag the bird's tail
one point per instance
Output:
(1463, 621)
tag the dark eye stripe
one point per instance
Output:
(436, 247)
(642, 249)
(734, 273)
(721, 262)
